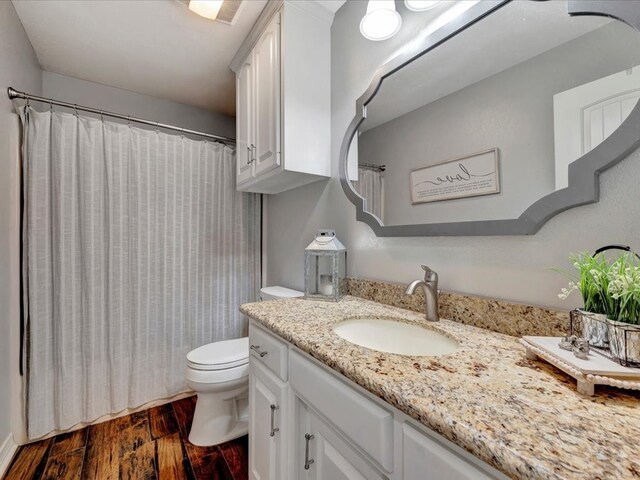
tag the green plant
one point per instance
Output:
(624, 289)
(591, 271)
(607, 287)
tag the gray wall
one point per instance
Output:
(514, 268)
(19, 68)
(512, 110)
(113, 99)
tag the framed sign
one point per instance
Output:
(470, 176)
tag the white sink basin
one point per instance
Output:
(392, 336)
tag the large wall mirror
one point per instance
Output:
(496, 120)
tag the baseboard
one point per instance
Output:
(7, 451)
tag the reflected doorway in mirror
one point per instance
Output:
(470, 176)
(585, 115)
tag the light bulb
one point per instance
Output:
(421, 5)
(206, 8)
(381, 20)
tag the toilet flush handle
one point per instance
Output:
(256, 348)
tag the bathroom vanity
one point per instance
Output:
(325, 408)
(307, 422)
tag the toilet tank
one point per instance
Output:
(274, 293)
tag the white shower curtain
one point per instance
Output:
(137, 249)
(370, 186)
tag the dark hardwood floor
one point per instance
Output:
(148, 445)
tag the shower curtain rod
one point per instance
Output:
(13, 93)
(371, 166)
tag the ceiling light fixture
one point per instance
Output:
(381, 20)
(421, 5)
(206, 8)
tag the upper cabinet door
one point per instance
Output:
(267, 98)
(244, 123)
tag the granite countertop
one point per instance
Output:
(523, 417)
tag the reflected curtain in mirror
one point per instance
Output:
(370, 186)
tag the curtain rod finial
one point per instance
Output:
(12, 93)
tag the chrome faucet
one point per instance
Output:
(430, 288)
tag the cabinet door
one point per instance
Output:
(244, 123)
(267, 412)
(266, 71)
(326, 453)
(427, 459)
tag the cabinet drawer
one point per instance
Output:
(268, 350)
(424, 457)
(362, 421)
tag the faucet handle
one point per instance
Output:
(429, 275)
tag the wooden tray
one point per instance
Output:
(595, 370)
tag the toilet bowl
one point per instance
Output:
(219, 374)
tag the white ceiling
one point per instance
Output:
(332, 5)
(515, 33)
(153, 47)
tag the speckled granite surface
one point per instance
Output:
(523, 417)
(496, 315)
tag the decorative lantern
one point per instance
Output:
(325, 267)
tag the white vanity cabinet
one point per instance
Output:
(283, 115)
(336, 429)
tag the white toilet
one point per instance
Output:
(219, 374)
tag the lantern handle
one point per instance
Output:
(324, 236)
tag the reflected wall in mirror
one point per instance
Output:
(539, 87)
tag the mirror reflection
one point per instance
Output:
(487, 123)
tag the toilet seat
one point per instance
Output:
(212, 377)
(221, 355)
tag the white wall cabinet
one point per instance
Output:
(283, 111)
(337, 429)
